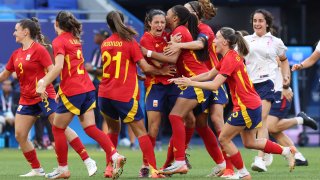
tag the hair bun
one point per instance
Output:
(34, 19)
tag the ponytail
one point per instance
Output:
(235, 38)
(68, 23)
(34, 29)
(115, 21)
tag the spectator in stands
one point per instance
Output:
(94, 69)
(8, 107)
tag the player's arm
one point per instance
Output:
(5, 74)
(175, 47)
(208, 85)
(148, 69)
(311, 60)
(160, 56)
(205, 76)
(285, 71)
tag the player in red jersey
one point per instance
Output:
(30, 63)
(160, 94)
(246, 116)
(119, 90)
(77, 96)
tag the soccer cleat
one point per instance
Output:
(217, 171)
(34, 172)
(144, 172)
(258, 165)
(91, 166)
(187, 161)
(239, 175)
(58, 174)
(290, 157)
(228, 173)
(118, 166)
(301, 163)
(155, 174)
(268, 158)
(308, 121)
(174, 169)
(109, 171)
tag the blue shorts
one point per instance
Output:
(219, 96)
(46, 106)
(126, 111)
(251, 118)
(201, 95)
(77, 104)
(158, 96)
(265, 90)
(280, 107)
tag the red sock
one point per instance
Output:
(272, 147)
(147, 150)
(61, 145)
(178, 137)
(170, 155)
(226, 158)
(237, 161)
(102, 139)
(31, 157)
(189, 134)
(77, 145)
(114, 138)
(211, 143)
(153, 142)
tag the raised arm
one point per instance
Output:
(311, 60)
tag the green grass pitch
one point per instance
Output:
(12, 164)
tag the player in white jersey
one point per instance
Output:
(311, 60)
(277, 122)
(261, 64)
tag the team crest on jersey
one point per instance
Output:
(28, 57)
(155, 103)
(19, 108)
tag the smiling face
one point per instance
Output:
(19, 33)
(259, 24)
(157, 25)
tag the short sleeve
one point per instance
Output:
(44, 57)
(10, 64)
(280, 47)
(147, 43)
(318, 47)
(136, 53)
(228, 65)
(58, 47)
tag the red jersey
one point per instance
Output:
(187, 64)
(207, 31)
(156, 44)
(119, 80)
(241, 88)
(74, 78)
(30, 66)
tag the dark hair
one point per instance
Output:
(115, 21)
(149, 17)
(34, 29)
(235, 38)
(244, 32)
(204, 9)
(69, 23)
(267, 16)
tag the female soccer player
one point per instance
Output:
(315, 56)
(77, 96)
(246, 116)
(30, 63)
(159, 92)
(261, 64)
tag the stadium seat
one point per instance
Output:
(6, 15)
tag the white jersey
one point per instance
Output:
(261, 61)
(278, 83)
(318, 47)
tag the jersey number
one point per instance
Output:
(21, 68)
(106, 57)
(79, 57)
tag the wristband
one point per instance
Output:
(41, 81)
(285, 86)
(149, 53)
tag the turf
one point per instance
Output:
(12, 164)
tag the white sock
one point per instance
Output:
(114, 156)
(179, 163)
(259, 158)
(222, 165)
(243, 171)
(299, 120)
(87, 160)
(285, 151)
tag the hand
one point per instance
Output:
(182, 81)
(296, 67)
(176, 38)
(287, 93)
(168, 70)
(142, 77)
(172, 48)
(144, 51)
(56, 99)
(41, 89)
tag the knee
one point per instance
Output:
(223, 140)
(20, 137)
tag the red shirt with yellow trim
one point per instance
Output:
(206, 30)
(156, 44)
(74, 78)
(119, 80)
(187, 64)
(30, 65)
(241, 88)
